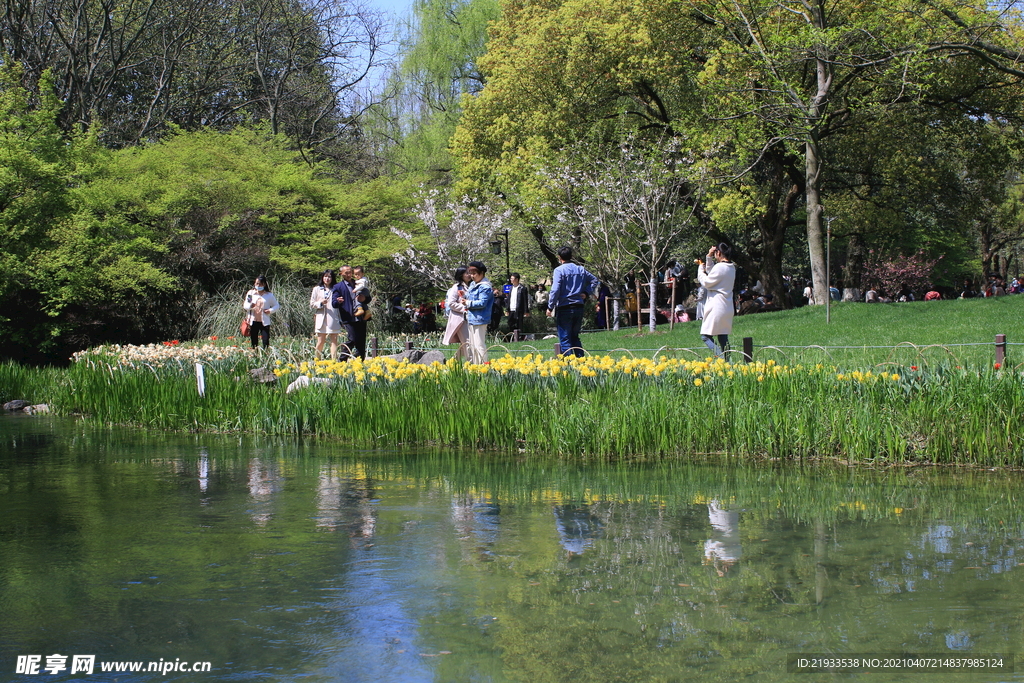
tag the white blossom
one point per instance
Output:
(459, 232)
(625, 209)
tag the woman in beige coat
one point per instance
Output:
(325, 319)
(718, 279)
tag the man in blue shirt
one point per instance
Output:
(571, 286)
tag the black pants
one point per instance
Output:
(356, 344)
(515, 320)
(258, 330)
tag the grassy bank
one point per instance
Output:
(919, 407)
(858, 336)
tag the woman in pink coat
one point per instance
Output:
(457, 330)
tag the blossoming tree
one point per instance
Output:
(457, 232)
(626, 206)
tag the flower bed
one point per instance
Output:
(597, 406)
(170, 354)
(535, 366)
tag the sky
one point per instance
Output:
(397, 11)
(397, 7)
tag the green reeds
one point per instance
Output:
(35, 385)
(948, 415)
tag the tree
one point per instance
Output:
(440, 48)
(39, 164)
(457, 233)
(931, 179)
(587, 203)
(764, 92)
(595, 71)
(157, 229)
(137, 67)
(807, 72)
(892, 273)
(626, 206)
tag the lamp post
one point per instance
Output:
(496, 249)
(828, 269)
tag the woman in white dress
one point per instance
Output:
(326, 322)
(719, 279)
(457, 330)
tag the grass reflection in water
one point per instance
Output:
(294, 560)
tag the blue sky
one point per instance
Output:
(398, 10)
(396, 7)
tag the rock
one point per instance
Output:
(303, 382)
(429, 357)
(420, 357)
(16, 405)
(40, 409)
(263, 376)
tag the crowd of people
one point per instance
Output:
(995, 285)
(513, 303)
(474, 307)
(338, 305)
(473, 303)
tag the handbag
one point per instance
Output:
(244, 327)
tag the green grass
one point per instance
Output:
(902, 330)
(808, 414)
(35, 385)
(957, 332)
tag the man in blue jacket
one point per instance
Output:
(479, 298)
(571, 286)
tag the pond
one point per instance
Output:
(283, 560)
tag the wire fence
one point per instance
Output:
(903, 354)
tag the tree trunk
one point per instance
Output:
(815, 243)
(813, 161)
(854, 270)
(654, 303)
(987, 253)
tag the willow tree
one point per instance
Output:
(442, 42)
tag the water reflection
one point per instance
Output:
(305, 562)
(328, 498)
(204, 471)
(723, 550)
(578, 526)
(477, 521)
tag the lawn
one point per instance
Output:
(859, 335)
